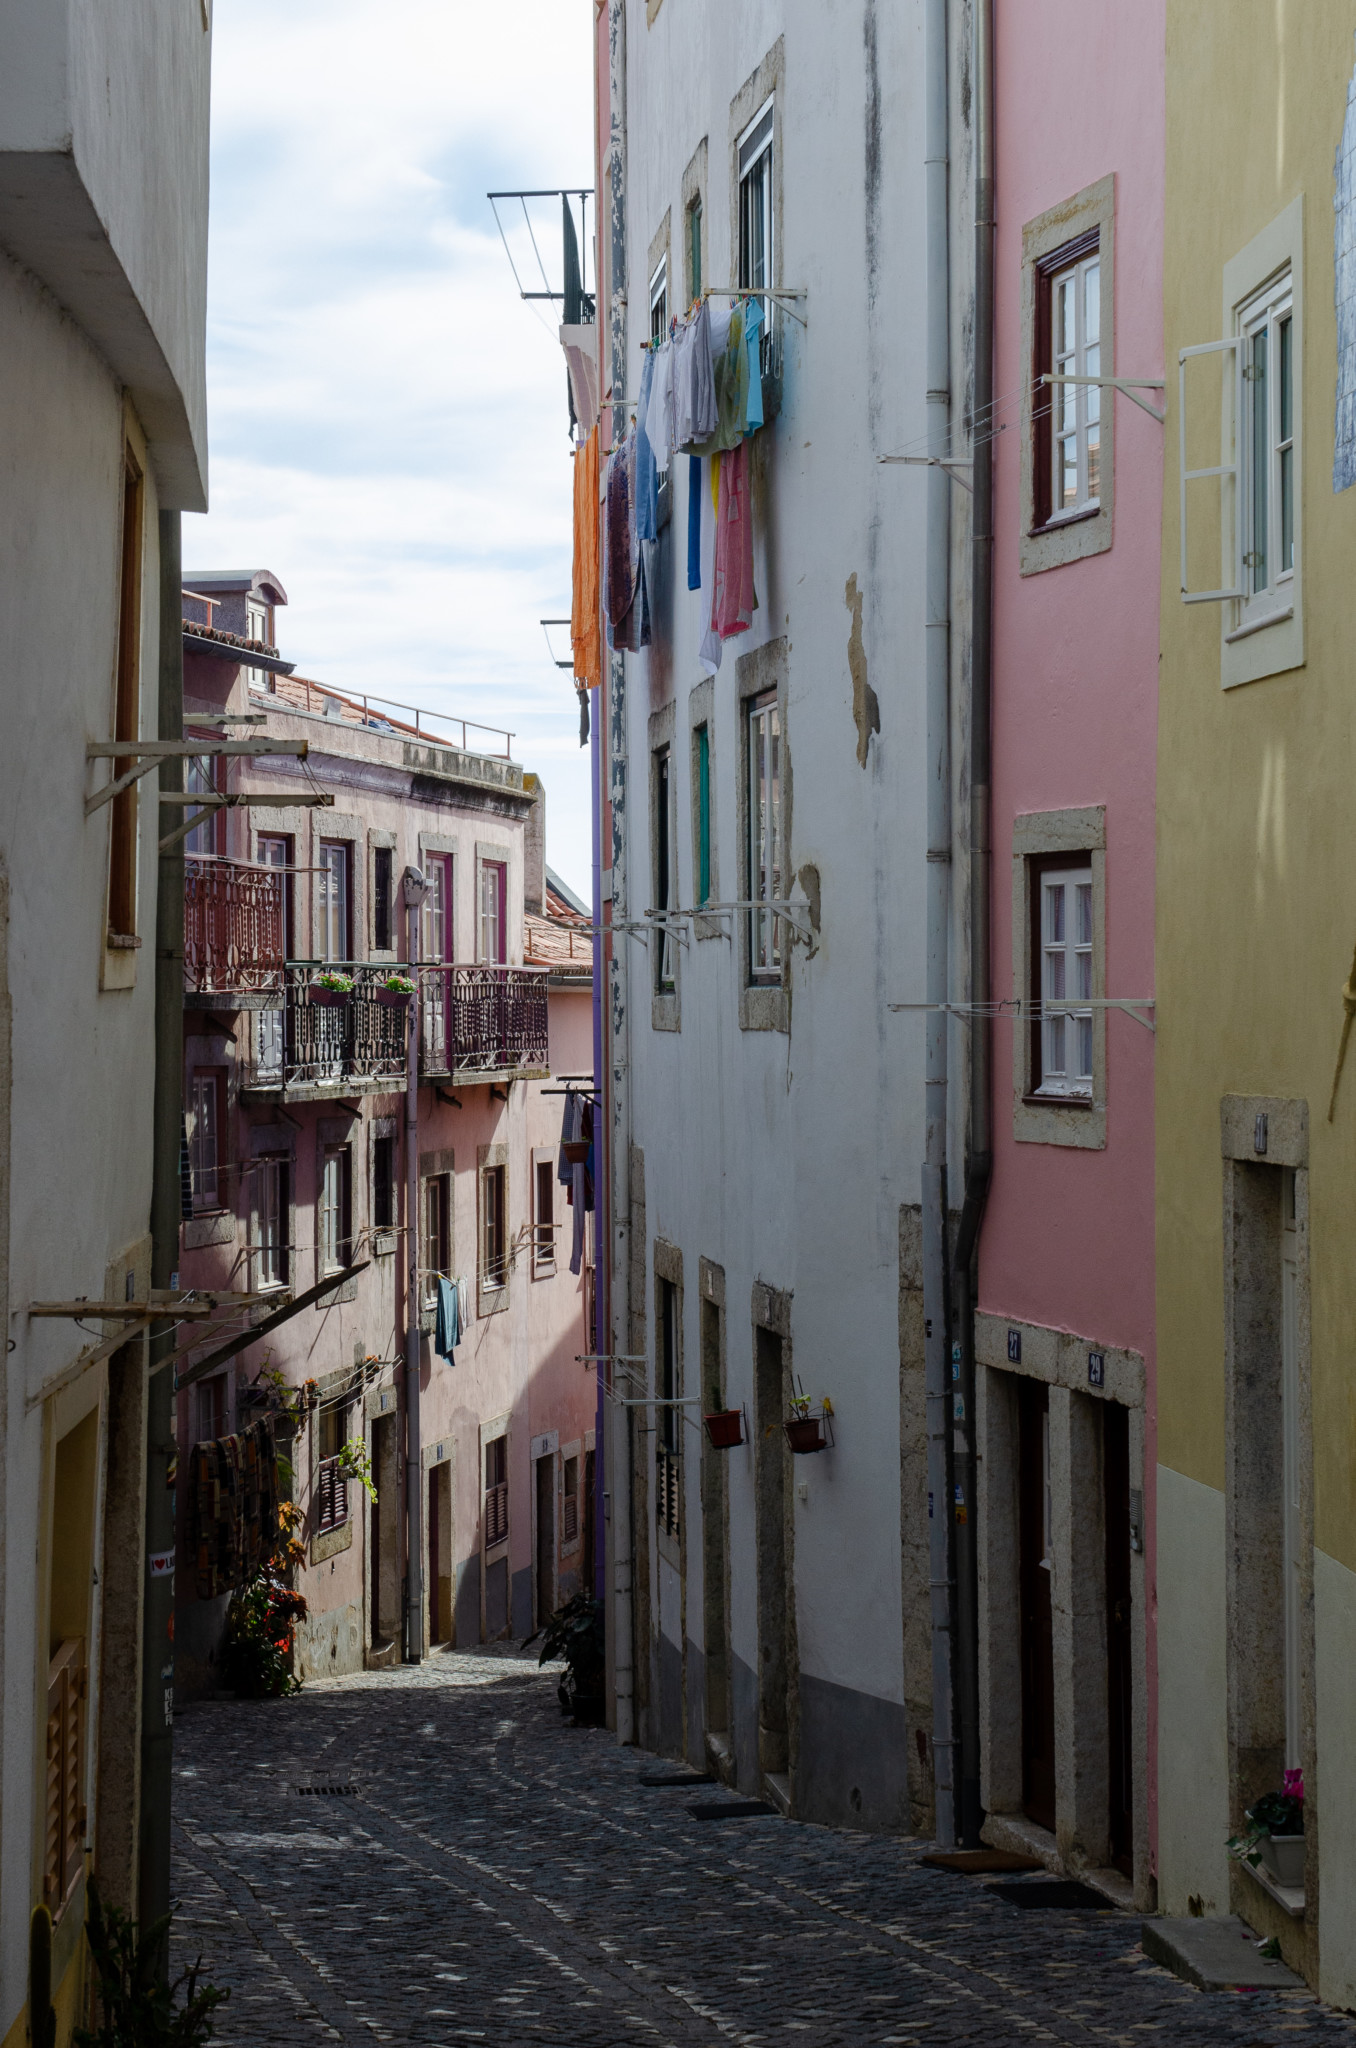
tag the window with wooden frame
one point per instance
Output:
(334, 901)
(1062, 980)
(384, 1182)
(437, 1235)
(330, 1504)
(336, 1208)
(669, 1416)
(1066, 416)
(275, 851)
(569, 1510)
(496, 1505)
(64, 1810)
(205, 775)
(493, 912)
(272, 1253)
(122, 860)
(494, 1252)
(211, 1405)
(383, 905)
(763, 756)
(206, 1135)
(543, 1215)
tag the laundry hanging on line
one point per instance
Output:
(448, 1321)
(232, 1507)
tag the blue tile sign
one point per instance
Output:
(1014, 1347)
(1097, 1368)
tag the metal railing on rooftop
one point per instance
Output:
(425, 722)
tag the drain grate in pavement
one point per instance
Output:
(730, 1809)
(1058, 1894)
(693, 1778)
(326, 1791)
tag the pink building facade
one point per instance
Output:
(1066, 1276)
(296, 1155)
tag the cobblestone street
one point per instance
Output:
(488, 1873)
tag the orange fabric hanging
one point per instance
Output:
(585, 613)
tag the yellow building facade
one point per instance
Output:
(1256, 919)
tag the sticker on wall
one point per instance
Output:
(962, 1512)
(160, 1564)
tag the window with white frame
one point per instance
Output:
(757, 265)
(437, 1234)
(494, 1249)
(271, 1208)
(1266, 450)
(1064, 1040)
(659, 300)
(664, 877)
(493, 912)
(1075, 412)
(205, 1137)
(764, 753)
(336, 1209)
(333, 901)
(543, 1215)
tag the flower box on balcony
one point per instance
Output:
(393, 998)
(726, 1429)
(330, 998)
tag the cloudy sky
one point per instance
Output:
(387, 416)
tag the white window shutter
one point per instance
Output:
(1223, 470)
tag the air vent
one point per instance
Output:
(326, 1791)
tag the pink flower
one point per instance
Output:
(1294, 1785)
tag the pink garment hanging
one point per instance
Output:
(733, 599)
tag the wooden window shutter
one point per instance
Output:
(64, 1843)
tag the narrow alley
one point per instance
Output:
(429, 1855)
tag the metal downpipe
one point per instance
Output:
(414, 1518)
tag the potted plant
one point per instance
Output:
(354, 1462)
(394, 990)
(725, 1429)
(331, 989)
(1274, 1836)
(576, 1150)
(807, 1432)
(576, 1633)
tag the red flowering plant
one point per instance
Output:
(261, 1624)
(1275, 1813)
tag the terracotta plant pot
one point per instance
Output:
(1283, 1856)
(330, 998)
(393, 998)
(576, 1150)
(806, 1434)
(726, 1429)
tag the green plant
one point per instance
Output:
(1275, 1813)
(577, 1633)
(398, 984)
(261, 1621)
(354, 1463)
(341, 984)
(136, 2000)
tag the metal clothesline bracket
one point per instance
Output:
(952, 465)
(1139, 1008)
(777, 292)
(1127, 386)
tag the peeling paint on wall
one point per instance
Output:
(1344, 291)
(865, 703)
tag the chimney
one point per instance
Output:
(534, 849)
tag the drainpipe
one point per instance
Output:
(602, 1204)
(937, 655)
(157, 1644)
(416, 889)
(979, 1134)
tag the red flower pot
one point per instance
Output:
(806, 1434)
(726, 1429)
(330, 998)
(392, 998)
(576, 1150)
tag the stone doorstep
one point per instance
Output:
(381, 1656)
(1014, 1831)
(777, 1790)
(1215, 1955)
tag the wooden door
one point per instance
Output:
(1038, 1656)
(1120, 1742)
(546, 1538)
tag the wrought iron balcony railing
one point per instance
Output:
(482, 1020)
(318, 1036)
(233, 926)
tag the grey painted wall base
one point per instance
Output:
(467, 1596)
(521, 1609)
(331, 1643)
(668, 1716)
(744, 1708)
(199, 1632)
(694, 1663)
(853, 1766)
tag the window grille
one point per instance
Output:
(669, 1417)
(496, 1491)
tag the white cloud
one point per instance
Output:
(387, 417)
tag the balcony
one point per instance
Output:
(233, 928)
(482, 1021)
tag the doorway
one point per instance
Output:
(590, 1578)
(383, 1539)
(441, 1626)
(771, 1455)
(714, 1509)
(545, 1575)
(1119, 1667)
(1037, 1635)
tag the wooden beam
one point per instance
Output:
(219, 1357)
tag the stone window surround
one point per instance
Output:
(715, 1503)
(763, 1006)
(1036, 834)
(1074, 539)
(331, 1131)
(573, 1449)
(767, 81)
(274, 1141)
(668, 1266)
(1060, 1359)
(490, 1554)
(438, 1165)
(694, 188)
(339, 825)
(328, 1542)
(547, 1268)
(1255, 1666)
(665, 1005)
(384, 1243)
(491, 1301)
(701, 710)
(493, 850)
(660, 251)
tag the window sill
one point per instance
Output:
(1246, 631)
(1041, 1100)
(122, 942)
(1063, 519)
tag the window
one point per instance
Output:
(765, 837)
(1292, 1525)
(543, 1217)
(334, 901)
(275, 851)
(702, 770)
(569, 1519)
(756, 255)
(204, 1138)
(437, 1235)
(331, 1487)
(271, 1261)
(669, 1422)
(203, 776)
(496, 1491)
(1067, 417)
(494, 912)
(494, 1227)
(336, 1227)
(122, 866)
(64, 1845)
(211, 1418)
(659, 301)
(383, 1183)
(665, 945)
(383, 921)
(1267, 451)
(259, 626)
(435, 918)
(694, 251)
(1064, 1031)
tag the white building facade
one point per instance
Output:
(764, 864)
